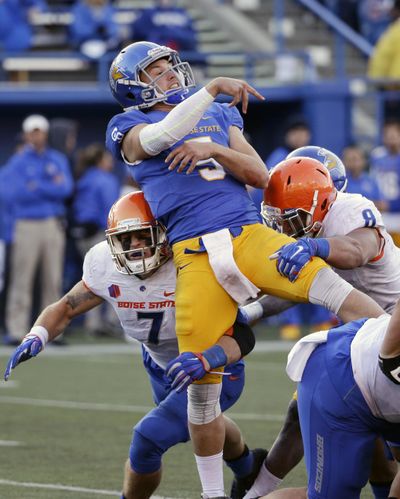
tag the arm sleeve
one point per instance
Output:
(119, 126)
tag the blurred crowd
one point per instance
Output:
(94, 29)
(54, 202)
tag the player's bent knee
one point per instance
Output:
(244, 337)
(203, 403)
(144, 455)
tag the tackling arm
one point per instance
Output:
(56, 317)
(51, 322)
(355, 249)
(266, 306)
(343, 252)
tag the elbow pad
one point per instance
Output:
(390, 368)
(244, 337)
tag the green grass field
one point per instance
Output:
(66, 420)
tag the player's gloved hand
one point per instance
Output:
(190, 366)
(292, 257)
(31, 345)
(185, 369)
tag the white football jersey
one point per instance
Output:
(381, 394)
(145, 307)
(380, 278)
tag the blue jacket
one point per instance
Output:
(6, 212)
(37, 184)
(15, 30)
(385, 168)
(276, 156)
(96, 192)
(92, 24)
(365, 184)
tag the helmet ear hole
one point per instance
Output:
(324, 203)
(289, 180)
(130, 96)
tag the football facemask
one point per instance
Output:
(137, 241)
(129, 67)
(298, 196)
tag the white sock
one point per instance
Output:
(265, 483)
(211, 474)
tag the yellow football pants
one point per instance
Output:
(204, 310)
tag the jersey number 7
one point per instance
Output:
(156, 321)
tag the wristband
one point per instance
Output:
(41, 332)
(322, 247)
(254, 311)
(215, 356)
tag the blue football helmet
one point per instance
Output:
(132, 61)
(329, 159)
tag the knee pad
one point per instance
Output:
(159, 430)
(144, 455)
(203, 403)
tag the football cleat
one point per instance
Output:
(241, 485)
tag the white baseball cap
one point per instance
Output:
(35, 122)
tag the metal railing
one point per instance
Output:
(342, 33)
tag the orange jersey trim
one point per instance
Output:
(382, 250)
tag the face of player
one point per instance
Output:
(294, 226)
(136, 241)
(167, 81)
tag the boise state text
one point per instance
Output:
(146, 305)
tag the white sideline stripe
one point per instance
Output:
(10, 384)
(132, 349)
(9, 443)
(68, 488)
(92, 406)
(52, 486)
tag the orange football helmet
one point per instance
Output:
(298, 196)
(137, 241)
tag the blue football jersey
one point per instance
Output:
(208, 199)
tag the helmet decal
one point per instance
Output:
(329, 159)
